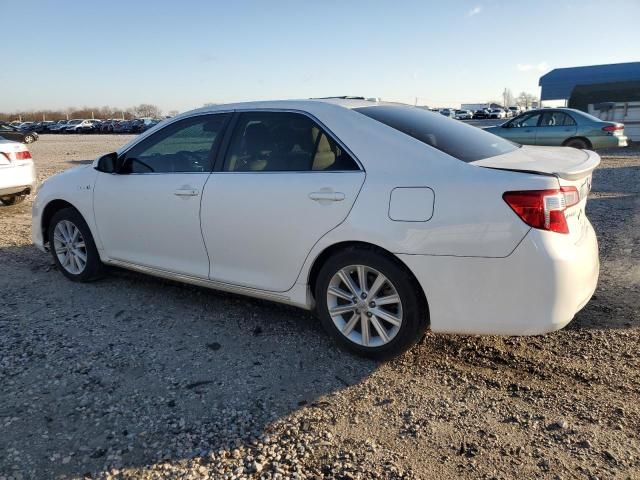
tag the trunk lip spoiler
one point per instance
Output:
(579, 171)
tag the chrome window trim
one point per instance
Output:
(244, 110)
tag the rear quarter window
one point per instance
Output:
(452, 137)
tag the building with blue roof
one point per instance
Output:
(594, 84)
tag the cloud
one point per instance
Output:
(528, 67)
(474, 11)
(207, 58)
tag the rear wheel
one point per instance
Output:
(369, 304)
(72, 246)
(576, 143)
(29, 139)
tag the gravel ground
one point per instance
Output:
(136, 377)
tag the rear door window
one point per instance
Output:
(283, 142)
(457, 139)
(556, 119)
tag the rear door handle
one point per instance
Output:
(327, 196)
(186, 192)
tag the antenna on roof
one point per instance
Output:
(339, 97)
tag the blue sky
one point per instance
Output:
(182, 54)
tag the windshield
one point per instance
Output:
(74, 122)
(457, 139)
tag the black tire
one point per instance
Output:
(29, 139)
(94, 268)
(576, 143)
(415, 314)
(13, 199)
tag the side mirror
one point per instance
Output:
(108, 163)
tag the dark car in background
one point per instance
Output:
(9, 132)
(123, 126)
(482, 113)
(58, 127)
(43, 127)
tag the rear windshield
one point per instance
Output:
(453, 137)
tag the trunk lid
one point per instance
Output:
(563, 162)
(572, 167)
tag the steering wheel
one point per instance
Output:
(193, 158)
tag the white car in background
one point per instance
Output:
(384, 219)
(463, 115)
(77, 125)
(17, 172)
(497, 113)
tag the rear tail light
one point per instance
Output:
(12, 156)
(543, 209)
(612, 128)
(25, 155)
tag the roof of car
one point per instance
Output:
(302, 104)
(554, 109)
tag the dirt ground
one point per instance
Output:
(136, 377)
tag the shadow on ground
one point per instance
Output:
(132, 369)
(614, 210)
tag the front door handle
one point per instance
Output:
(186, 192)
(327, 196)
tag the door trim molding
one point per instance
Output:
(203, 282)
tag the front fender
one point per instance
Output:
(75, 187)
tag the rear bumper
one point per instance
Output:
(17, 178)
(537, 289)
(608, 141)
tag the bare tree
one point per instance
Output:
(173, 113)
(102, 113)
(526, 100)
(147, 110)
(507, 97)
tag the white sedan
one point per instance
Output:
(17, 172)
(384, 219)
(497, 113)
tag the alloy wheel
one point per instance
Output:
(364, 305)
(70, 247)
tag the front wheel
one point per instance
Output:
(369, 304)
(29, 139)
(73, 248)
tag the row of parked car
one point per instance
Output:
(80, 125)
(482, 113)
